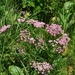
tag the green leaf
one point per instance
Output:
(71, 22)
(68, 16)
(38, 1)
(24, 3)
(27, 15)
(68, 4)
(14, 70)
(37, 9)
(31, 4)
(3, 73)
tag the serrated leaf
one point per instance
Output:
(15, 70)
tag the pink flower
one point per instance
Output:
(31, 21)
(36, 23)
(23, 12)
(21, 51)
(31, 40)
(63, 40)
(39, 24)
(59, 50)
(41, 40)
(42, 68)
(4, 28)
(18, 20)
(24, 35)
(21, 19)
(54, 29)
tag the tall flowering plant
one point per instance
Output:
(45, 42)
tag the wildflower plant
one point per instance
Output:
(41, 67)
(43, 41)
(38, 44)
(32, 44)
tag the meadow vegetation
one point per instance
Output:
(37, 37)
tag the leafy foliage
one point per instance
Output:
(66, 15)
(14, 70)
(16, 55)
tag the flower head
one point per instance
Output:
(24, 35)
(31, 40)
(31, 21)
(4, 28)
(40, 42)
(39, 24)
(59, 50)
(54, 29)
(36, 23)
(23, 12)
(21, 19)
(42, 68)
(63, 40)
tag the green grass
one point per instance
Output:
(10, 43)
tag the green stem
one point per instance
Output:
(24, 67)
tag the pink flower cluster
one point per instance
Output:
(24, 35)
(59, 50)
(23, 12)
(36, 23)
(21, 19)
(54, 29)
(40, 42)
(42, 68)
(21, 51)
(31, 40)
(63, 40)
(4, 28)
(31, 21)
(53, 42)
